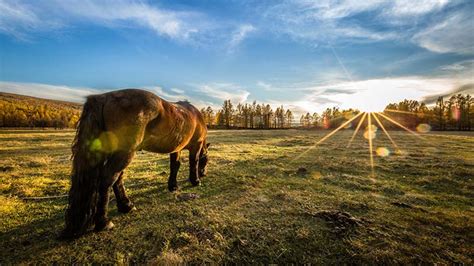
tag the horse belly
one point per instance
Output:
(164, 144)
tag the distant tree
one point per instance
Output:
(469, 111)
(289, 118)
(440, 110)
(227, 112)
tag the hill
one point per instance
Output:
(26, 111)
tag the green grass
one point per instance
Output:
(254, 207)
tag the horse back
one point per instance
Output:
(137, 119)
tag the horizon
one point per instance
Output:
(302, 55)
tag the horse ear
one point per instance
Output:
(207, 145)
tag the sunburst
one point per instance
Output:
(369, 134)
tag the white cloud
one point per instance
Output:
(454, 34)
(320, 21)
(177, 91)
(331, 21)
(63, 93)
(461, 67)
(18, 18)
(21, 18)
(224, 91)
(168, 23)
(239, 35)
(404, 8)
(172, 97)
(333, 10)
(266, 86)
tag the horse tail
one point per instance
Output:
(88, 161)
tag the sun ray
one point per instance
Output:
(337, 129)
(327, 136)
(357, 129)
(400, 112)
(371, 149)
(386, 132)
(400, 125)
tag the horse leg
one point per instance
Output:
(111, 173)
(193, 166)
(174, 168)
(124, 205)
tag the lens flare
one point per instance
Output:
(95, 145)
(423, 128)
(370, 132)
(382, 152)
(455, 113)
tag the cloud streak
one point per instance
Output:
(55, 92)
(239, 35)
(455, 34)
(224, 91)
(22, 19)
(464, 89)
(329, 21)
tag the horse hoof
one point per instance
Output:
(109, 226)
(126, 208)
(104, 226)
(196, 182)
(172, 188)
(66, 235)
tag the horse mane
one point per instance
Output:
(184, 103)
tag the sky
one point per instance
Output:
(304, 55)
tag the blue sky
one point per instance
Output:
(306, 55)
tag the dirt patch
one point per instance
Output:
(302, 171)
(341, 222)
(187, 196)
(6, 168)
(407, 206)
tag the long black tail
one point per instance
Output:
(87, 165)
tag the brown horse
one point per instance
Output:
(112, 127)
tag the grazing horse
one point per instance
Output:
(112, 127)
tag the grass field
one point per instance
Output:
(255, 205)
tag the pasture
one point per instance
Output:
(260, 202)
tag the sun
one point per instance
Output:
(371, 107)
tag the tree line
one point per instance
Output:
(453, 113)
(248, 116)
(23, 111)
